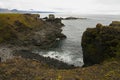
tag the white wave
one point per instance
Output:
(65, 56)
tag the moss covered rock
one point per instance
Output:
(101, 43)
(28, 29)
(17, 25)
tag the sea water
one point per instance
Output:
(70, 50)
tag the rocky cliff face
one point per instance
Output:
(27, 31)
(101, 43)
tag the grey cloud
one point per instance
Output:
(82, 6)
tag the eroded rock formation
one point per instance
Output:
(28, 31)
(101, 43)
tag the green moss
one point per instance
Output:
(102, 42)
(1, 39)
(118, 50)
(91, 48)
(12, 25)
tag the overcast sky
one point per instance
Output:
(73, 6)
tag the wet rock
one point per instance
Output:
(62, 36)
(52, 63)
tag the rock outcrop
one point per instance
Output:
(28, 31)
(101, 43)
(73, 18)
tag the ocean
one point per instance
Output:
(70, 50)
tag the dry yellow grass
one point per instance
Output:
(11, 25)
(26, 69)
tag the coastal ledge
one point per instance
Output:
(101, 43)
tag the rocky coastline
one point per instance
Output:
(22, 33)
(28, 32)
(67, 18)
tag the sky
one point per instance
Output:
(68, 6)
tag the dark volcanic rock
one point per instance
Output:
(101, 43)
(72, 18)
(62, 36)
(69, 18)
(55, 21)
(52, 63)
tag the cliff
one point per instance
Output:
(28, 29)
(101, 43)
(27, 32)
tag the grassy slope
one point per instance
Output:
(22, 69)
(12, 24)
